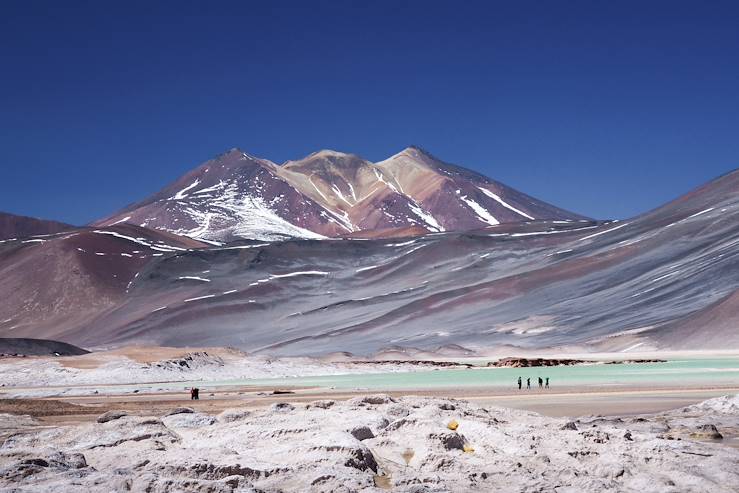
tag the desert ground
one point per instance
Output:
(123, 420)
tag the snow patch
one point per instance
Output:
(482, 213)
(503, 203)
(182, 193)
(194, 278)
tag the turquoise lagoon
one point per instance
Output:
(708, 372)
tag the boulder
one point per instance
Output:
(110, 416)
(281, 407)
(708, 431)
(362, 433)
(180, 410)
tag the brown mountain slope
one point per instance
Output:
(14, 226)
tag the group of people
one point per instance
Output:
(543, 383)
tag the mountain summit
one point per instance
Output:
(331, 194)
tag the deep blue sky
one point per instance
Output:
(604, 108)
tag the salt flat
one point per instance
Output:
(123, 421)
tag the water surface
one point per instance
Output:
(676, 373)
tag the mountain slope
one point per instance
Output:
(13, 226)
(329, 194)
(653, 281)
(64, 280)
(232, 196)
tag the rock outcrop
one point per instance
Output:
(402, 444)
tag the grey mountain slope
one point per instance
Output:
(643, 283)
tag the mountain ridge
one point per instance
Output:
(330, 194)
(18, 226)
(661, 280)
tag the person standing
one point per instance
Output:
(519, 383)
(541, 383)
(546, 385)
(528, 383)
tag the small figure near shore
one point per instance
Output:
(528, 383)
(519, 383)
(541, 383)
(546, 385)
(194, 394)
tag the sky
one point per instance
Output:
(607, 109)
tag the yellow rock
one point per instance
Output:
(468, 448)
(453, 425)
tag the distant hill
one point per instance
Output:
(38, 347)
(14, 226)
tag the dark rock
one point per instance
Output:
(570, 425)
(111, 415)
(36, 462)
(323, 404)
(376, 399)
(450, 441)
(362, 433)
(707, 431)
(180, 410)
(362, 459)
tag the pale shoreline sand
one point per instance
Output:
(131, 377)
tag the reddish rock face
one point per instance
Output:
(12, 226)
(329, 194)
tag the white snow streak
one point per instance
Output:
(181, 194)
(379, 176)
(701, 212)
(426, 217)
(310, 179)
(338, 192)
(194, 278)
(482, 213)
(200, 298)
(351, 189)
(127, 218)
(603, 232)
(140, 241)
(503, 203)
(241, 247)
(301, 273)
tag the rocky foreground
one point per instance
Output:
(375, 443)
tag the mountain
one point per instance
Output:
(666, 279)
(331, 194)
(13, 226)
(65, 280)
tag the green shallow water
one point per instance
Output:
(677, 373)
